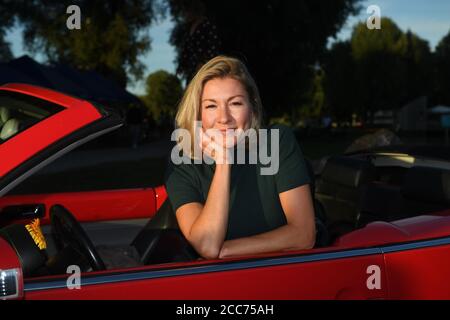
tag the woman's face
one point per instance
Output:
(225, 105)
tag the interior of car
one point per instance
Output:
(18, 113)
(355, 191)
(8, 126)
(67, 243)
(346, 197)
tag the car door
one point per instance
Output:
(61, 123)
(314, 274)
(419, 270)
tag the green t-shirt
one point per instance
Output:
(254, 198)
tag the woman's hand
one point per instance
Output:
(218, 145)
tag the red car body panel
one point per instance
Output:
(411, 229)
(330, 279)
(338, 277)
(419, 274)
(94, 205)
(160, 196)
(78, 113)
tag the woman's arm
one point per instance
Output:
(298, 233)
(205, 226)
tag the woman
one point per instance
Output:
(226, 209)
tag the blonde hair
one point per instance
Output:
(218, 67)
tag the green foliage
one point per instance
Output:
(285, 119)
(377, 69)
(443, 70)
(5, 51)
(163, 92)
(6, 22)
(313, 108)
(278, 40)
(339, 81)
(443, 47)
(110, 41)
(387, 40)
(380, 70)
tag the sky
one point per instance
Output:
(429, 19)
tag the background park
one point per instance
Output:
(339, 84)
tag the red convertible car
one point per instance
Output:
(383, 225)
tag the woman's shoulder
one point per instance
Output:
(184, 163)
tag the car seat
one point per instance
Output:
(4, 115)
(340, 190)
(9, 128)
(162, 241)
(425, 190)
(322, 236)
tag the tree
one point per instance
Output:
(6, 22)
(392, 67)
(314, 107)
(110, 41)
(376, 70)
(442, 56)
(279, 40)
(163, 92)
(379, 67)
(5, 51)
(419, 66)
(341, 98)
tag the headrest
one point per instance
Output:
(427, 184)
(10, 128)
(4, 115)
(347, 171)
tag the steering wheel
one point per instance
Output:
(68, 232)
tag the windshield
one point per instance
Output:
(19, 112)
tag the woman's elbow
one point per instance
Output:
(307, 240)
(310, 242)
(305, 243)
(310, 239)
(206, 248)
(209, 252)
